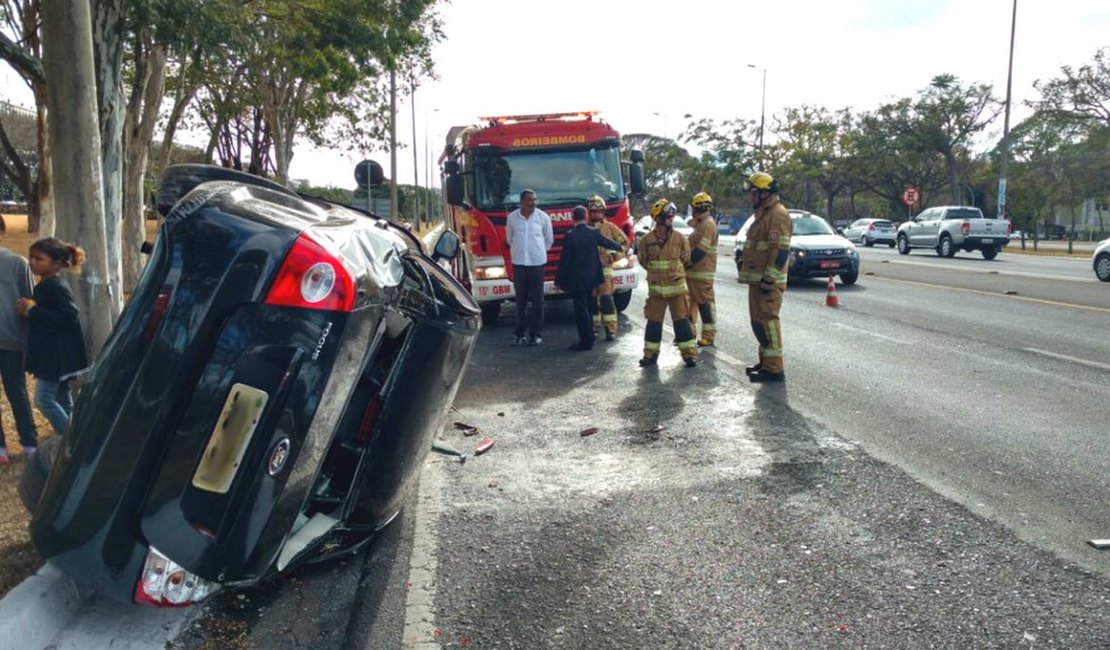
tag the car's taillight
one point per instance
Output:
(313, 278)
(164, 583)
(871, 226)
(965, 227)
(157, 311)
(1009, 227)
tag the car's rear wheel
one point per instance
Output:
(1102, 267)
(990, 253)
(868, 242)
(903, 245)
(490, 312)
(622, 300)
(849, 278)
(946, 248)
(35, 470)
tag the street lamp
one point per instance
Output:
(763, 111)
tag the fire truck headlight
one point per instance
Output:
(489, 273)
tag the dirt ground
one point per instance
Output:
(18, 558)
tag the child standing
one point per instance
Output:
(55, 344)
(15, 283)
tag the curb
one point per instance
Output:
(32, 613)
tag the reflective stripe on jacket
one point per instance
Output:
(665, 262)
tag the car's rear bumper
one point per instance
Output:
(977, 243)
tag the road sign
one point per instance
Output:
(910, 195)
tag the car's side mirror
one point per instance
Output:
(447, 246)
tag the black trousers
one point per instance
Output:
(528, 285)
(15, 387)
(583, 319)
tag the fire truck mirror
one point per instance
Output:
(636, 175)
(637, 156)
(369, 174)
(453, 186)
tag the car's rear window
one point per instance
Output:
(884, 224)
(963, 213)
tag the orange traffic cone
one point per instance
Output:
(831, 300)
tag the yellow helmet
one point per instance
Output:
(701, 201)
(762, 181)
(595, 203)
(663, 208)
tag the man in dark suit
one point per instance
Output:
(580, 271)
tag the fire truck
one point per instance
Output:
(565, 158)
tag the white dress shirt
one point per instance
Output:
(529, 238)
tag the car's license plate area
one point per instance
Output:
(988, 240)
(830, 264)
(230, 439)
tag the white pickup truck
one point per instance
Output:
(949, 228)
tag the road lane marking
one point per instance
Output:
(858, 330)
(1064, 357)
(1055, 303)
(420, 596)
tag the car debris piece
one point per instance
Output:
(589, 431)
(655, 429)
(467, 429)
(484, 445)
(447, 450)
(1100, 544)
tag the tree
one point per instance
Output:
(948, 115)
(1081, 94)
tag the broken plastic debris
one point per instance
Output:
(655, 429)
(1100, 544)
(842, 627)
(484, 445)
(467, 429)
(588, 431)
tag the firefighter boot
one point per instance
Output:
(684, 334)
(653, 336)
(708, 325)
(608, 317)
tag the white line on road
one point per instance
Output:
(1064, 357)
(858, 330)
(420, 598)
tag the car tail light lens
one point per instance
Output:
(166, 584)
(965, 227)
(871, 226)
(1009, 227)
(311, 277)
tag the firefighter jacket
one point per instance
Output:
(769, 233)
(610, 231)
(703, 238)
(665, 254)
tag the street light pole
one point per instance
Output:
(763, 111)
(1006, 123)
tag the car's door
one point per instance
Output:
(925, 228)
(854, 230)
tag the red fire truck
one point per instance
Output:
(566, 158)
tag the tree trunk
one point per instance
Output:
(44, 221)
(953, 177)
(108, 27)
(75, 139)
(142, 115)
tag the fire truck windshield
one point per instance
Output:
(558, 177)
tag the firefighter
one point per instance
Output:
(702, 269)
(665, 255)
(764, 270)
(604, 309)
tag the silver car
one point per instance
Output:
(1101, 260)
(871, 231)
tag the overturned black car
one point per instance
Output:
(267, 397)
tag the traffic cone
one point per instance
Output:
(831, 300)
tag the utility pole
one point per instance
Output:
(392, 143)
(1006, 123)
(415, 174)
(74, 136)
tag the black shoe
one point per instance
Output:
(762, 376)
(649, 361)
(580, 347)
(690, 361)
(751, 370)
(609, 336)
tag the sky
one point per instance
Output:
(644, 65)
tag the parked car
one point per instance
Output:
(815, 249)
(266, 399)
(1101, 260)
(870, 232)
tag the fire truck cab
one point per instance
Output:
(565, 158)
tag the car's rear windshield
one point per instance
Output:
(963, 213)
(883, 224)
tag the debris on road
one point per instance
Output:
(441, 447)
(588, 431)
(655, 429)
(484, 445)
(1100, 544)
(467, 429)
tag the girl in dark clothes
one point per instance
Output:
(55, 344)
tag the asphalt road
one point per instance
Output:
(928, 477)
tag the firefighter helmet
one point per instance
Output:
(701, 202)
(662, 209)
(595, 203)
(763, 182)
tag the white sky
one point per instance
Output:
(646, 64)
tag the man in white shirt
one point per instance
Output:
(529, 236)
